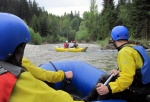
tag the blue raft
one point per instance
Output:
(84, 79)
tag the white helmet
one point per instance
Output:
(66, 41)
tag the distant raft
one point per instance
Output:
(61, 49)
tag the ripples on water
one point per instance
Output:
(101, 59)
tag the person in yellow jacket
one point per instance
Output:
(125, 83)
(20, 80)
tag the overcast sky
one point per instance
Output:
(59, 7)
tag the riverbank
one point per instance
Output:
(102, 59)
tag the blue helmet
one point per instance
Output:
(119, 33)
(13, 31)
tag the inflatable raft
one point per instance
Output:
(61, 49)
(85, 77)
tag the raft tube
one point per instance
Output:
(85, 77)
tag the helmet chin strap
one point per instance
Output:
(118, 47)
(17, 55)
(115, 45)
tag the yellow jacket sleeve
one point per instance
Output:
(30, 89)
(128, 61)
(42, 74)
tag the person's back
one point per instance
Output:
(75, 45)
(66, 44)
(127, 81)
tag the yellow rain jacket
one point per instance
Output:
(30, 88)
(128, 61)
(41, 74)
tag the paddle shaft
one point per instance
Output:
(107, 81)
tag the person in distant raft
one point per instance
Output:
(75, 45)
(20, 80)
(66, 44)
(131, 82)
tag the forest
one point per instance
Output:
(93, 26)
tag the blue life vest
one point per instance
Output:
(145, 70)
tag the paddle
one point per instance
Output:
(107, 81)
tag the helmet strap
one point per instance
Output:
(114, 43)
(118, 47)
(17, 55)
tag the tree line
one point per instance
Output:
(94, 25)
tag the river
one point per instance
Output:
(101, 59)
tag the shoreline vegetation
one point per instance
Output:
(108, 44)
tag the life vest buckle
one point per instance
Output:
(2, 70)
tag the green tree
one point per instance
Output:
(24, 10)
(44, 24)
(75, 23)
(93, 15)
(35, 37)
(107, 19)
(82, 34)
(35, 24)
(140, 19)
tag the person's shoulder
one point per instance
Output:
(24, 60)
(128, 47)
(127, 50)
